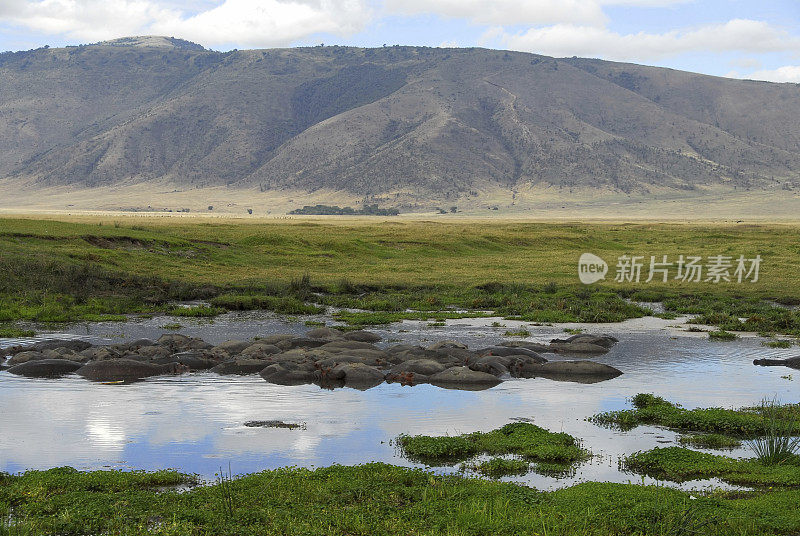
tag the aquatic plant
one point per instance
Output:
(499, 467)
(225, 491)
(710, 441)
(779, 442)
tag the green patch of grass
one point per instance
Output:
(777, 344)
(722, 336)
(288, 305)
(499, 467)
(199, 311)
(679, 465)
(523, 439)
(573, 331)
(174, 326)
(710, 441)
(518, 333)
(377, 500)
(649, 409)
(376, 319)
(316, 323)
(11, 332)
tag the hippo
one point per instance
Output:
(194, 360)
(45, 368)
(792, 362)
(464, 378)
(584, 343)
(288, 373)
(362, 336)
(419, 367)
(506, 351)
(534, 346)
(325, 334)
(125, 370)
(582, 371)
(357, 375)
(241, 366)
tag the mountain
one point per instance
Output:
(397, 124)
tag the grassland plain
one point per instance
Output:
(92, 268)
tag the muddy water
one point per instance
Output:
(195, 422)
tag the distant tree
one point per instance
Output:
(249, 210)
(453, 209)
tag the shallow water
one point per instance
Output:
(195, 422)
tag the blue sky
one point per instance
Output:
(737, 38)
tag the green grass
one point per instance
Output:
(288, 305)
(710, 441)
(58, 271)
(500, 467)
(11, 332)
(777, 344)
(648, 409)
(376, 500)
(174, 326)
(679, 465)
(523, 439)
(722, 336)
(517, 333)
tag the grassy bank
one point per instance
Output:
(96, 269)
(731, 423)
(679, 465)
(373, 499)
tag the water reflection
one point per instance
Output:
(196, 422)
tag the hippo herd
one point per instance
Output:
(324, 356)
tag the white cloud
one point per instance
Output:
(268, 22)
(787, 73)
(242, 22)
(513, 12)
(572, 40)
(505, 12)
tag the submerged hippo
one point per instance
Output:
(571, 371)
(792, 362)
(464, 378)
(584, 344)
(45, 368)
(125, 370)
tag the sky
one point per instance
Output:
(735, 38)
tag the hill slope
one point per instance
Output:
(397, 123)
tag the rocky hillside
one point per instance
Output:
(392, 122)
